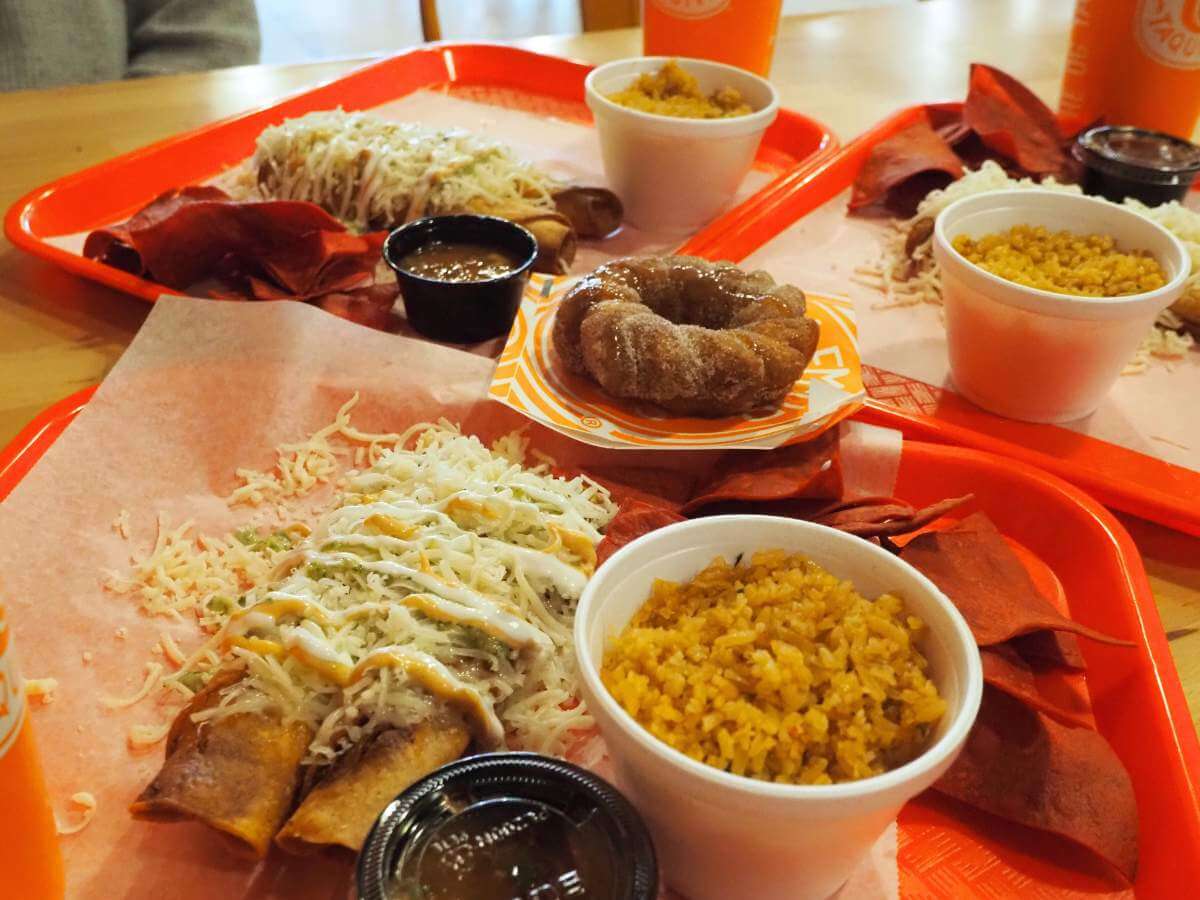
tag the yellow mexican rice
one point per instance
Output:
(775, 669)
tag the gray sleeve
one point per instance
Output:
(168, 36)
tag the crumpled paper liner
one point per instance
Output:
(205, 388)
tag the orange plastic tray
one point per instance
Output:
(115, 189)
(1137, 699)
(1121, 478)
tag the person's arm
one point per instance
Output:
(167, 36)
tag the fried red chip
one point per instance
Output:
(916, 150)
(632, 521)
(1049, 650)
(947, 120)
(808, 470)
(977, 569)
(884, 516)
(1023, 766)
(370, 306)
(264, 250)
(1005, 670)
(318, 262)
(862, 511)
(1010, 119)
(112, 246)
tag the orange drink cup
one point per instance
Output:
(30, 863)
(1135, 62)
(736, 32)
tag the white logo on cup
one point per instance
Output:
(691, 9)
(1168, 31)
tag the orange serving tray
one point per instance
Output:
(1139, 706)
(1123, 479)
(114, 190)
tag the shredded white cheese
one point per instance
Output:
(41, 689)
(1160, 344)
(154, 673)
(444, 576)
(142, 737)
(87, 809)
(302, 467)
(170, 650)
(373, 173)
(1169, 442)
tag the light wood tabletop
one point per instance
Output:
(59, 333)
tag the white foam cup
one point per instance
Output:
(720, 835)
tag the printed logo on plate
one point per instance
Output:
(1169, 32)
(12, 698)
(691, 9)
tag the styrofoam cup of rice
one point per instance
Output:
(721, 835)
(673, 174)
(1032, 354)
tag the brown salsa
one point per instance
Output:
(458, 261)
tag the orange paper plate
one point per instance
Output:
(530, 379)
(487, 73)
(1069, 539)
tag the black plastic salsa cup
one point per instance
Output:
(1122, 161)
(503, 825)
(462, 312)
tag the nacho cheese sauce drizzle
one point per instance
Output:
(375, 173)
(443, 577)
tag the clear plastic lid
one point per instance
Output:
(508, 826)
(1138, 154)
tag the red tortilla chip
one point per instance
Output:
(632, 521)
(113, 247)
(1049, 650)
(370, 306)
(1025, 767)
(947, 120)
(1005, 670)
(884, 516)
(318, 262)
(915, 150)
(268, 250)
(1011, 120)
(809, 470)
(975, 567)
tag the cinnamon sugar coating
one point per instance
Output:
(694, 337)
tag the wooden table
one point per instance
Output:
(59, 333)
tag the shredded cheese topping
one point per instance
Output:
(442, 579)
(87, 808)
(41, 689)
(142, 737)
(171, 650)
(909, 276)
(374, 173)
(303, 467)
(154, 673)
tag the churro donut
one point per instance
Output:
(695, 337)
